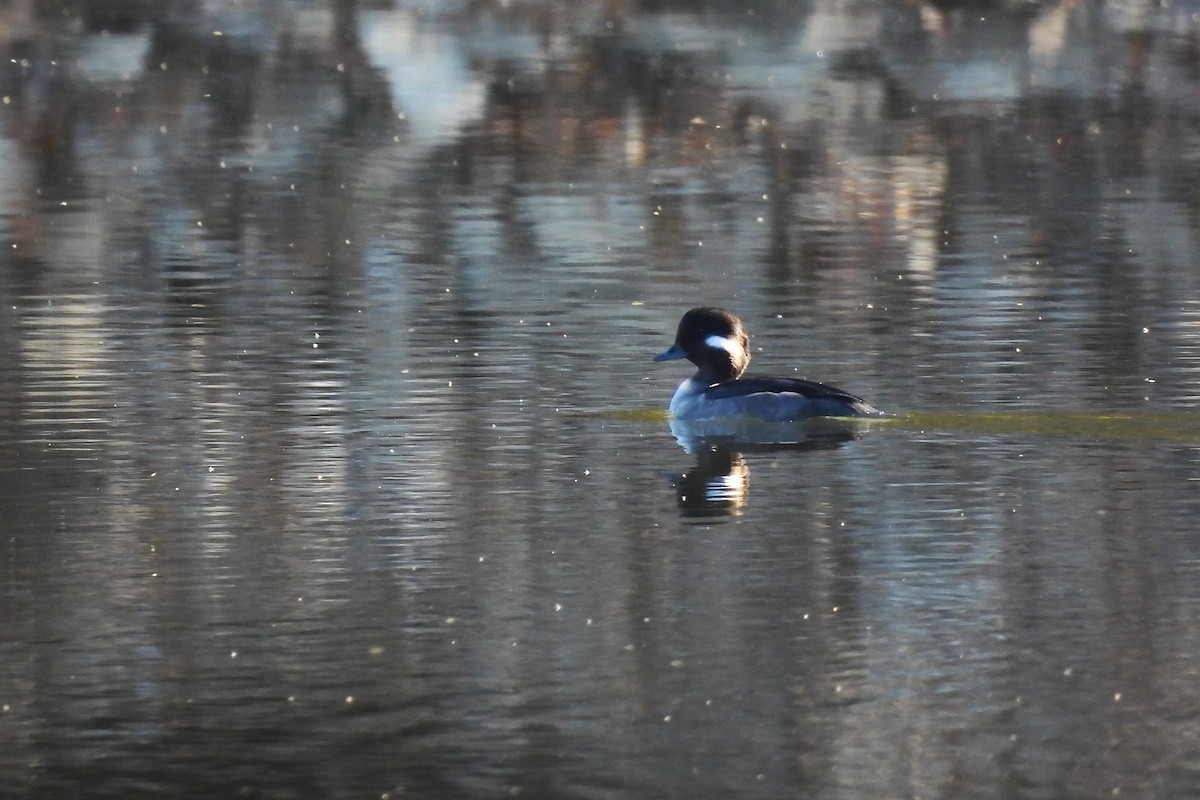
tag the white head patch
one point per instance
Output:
(731, 346)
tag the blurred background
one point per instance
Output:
(332, 462)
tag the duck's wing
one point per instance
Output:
(810, 390)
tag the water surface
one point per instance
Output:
(333, 462)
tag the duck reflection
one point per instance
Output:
(719, 484)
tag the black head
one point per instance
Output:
(714, 340)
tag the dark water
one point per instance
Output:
(332, 461)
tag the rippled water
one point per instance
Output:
(333, 462)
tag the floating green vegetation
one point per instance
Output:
(657, 415)
(1179, 427)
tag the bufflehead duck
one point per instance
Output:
(716, 342)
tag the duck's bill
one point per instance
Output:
(674, 353)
